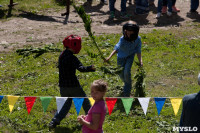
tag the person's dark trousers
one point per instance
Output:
(112, 5)
(165, 2)
(142, 4)
(194, 5)
(71, 92)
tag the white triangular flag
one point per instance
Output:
(144, 102)
(60, 101)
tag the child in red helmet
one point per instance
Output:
(68, 82)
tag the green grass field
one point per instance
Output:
(171, 62)
(170, 58)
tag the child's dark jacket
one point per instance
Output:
(68, 63)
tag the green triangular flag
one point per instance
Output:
(45, 102)
(127, 102)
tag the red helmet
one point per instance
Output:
(73, 42)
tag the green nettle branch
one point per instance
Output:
(140, 75)
(140, 83)
(87, 24)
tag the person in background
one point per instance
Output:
(174, 8)
(190, 113)
(194, 6)
(129, 45)
(123, 9)
(93, 122)
(68, 82)
(142, 7)
(159, 8)
(151, 2)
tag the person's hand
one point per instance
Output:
(83, 116)
(80, 119)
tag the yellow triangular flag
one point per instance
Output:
(11, 101)
(176, 102)
(91, 101)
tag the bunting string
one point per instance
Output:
(110, 102)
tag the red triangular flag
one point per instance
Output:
(29, 103)
(110, 104)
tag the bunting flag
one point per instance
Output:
(110, 104)
(159, 103)
(91, 101)
(78, 103)
(29, 103)
(60, 101)
(45, 102)
(144, 102)
(11, 101)
(1, 97)
(127, 102)
(176, 102)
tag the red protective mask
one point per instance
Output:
(73, 42)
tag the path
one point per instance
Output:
(49, 28)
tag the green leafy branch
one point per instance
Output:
(112, 70)
(140, 83)
(37, 51)
(87, 24)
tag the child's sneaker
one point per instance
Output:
(53, 125)
(158, 15)
(164, 9)
(125, 15)
(112, 15)
(169, 13)
(174, 9)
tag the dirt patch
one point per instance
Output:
(50, 27)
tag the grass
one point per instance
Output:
(31, 7)
(171, 62)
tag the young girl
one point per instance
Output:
(92, 123)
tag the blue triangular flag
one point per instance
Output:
(1, 97)
(159, 103)
(78, 103)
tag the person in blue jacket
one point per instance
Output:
(128, 45)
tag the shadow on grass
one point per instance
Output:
(165, 20)
(194, 16)
(67, 130)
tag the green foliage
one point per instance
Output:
(37, 51)
(171, 70)
(140, 84)
(111, 70)
(87, 24)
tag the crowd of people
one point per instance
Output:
(142, 7)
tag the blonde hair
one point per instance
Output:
(100, 85)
